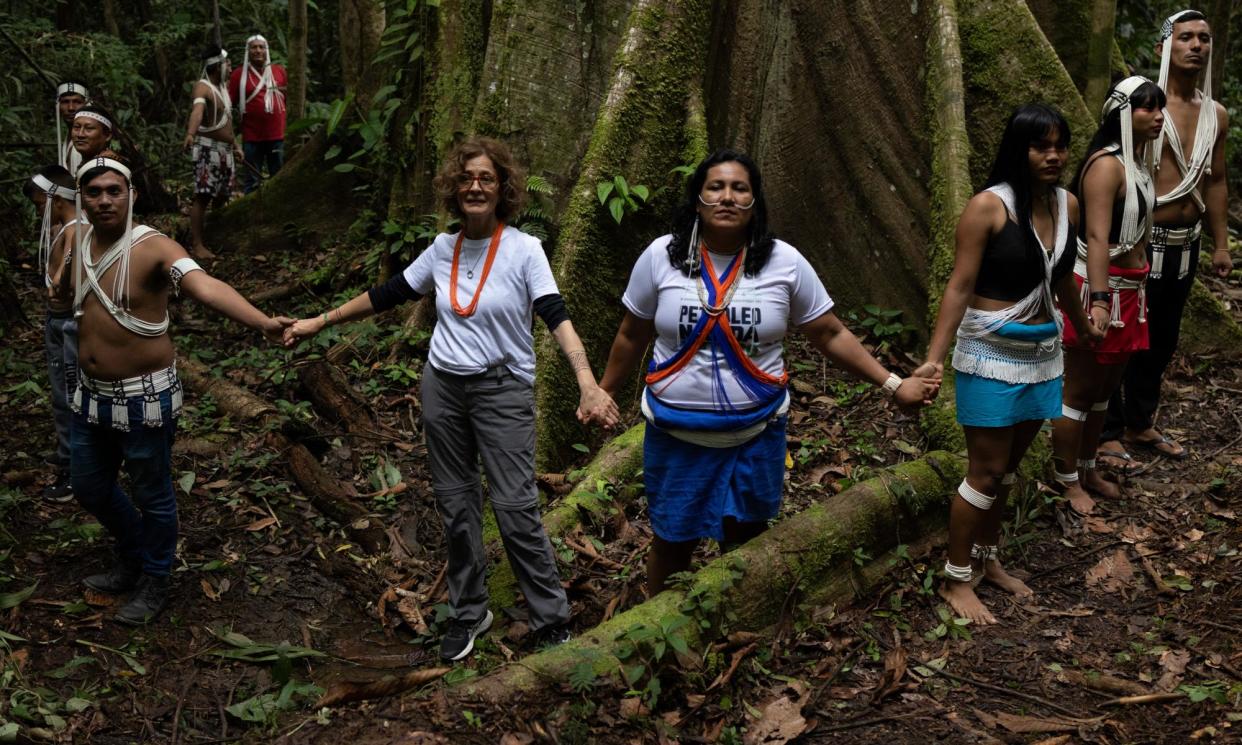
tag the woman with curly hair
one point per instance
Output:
(718, 295)
(477, 386)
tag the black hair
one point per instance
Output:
(1190, 15)
(94, 108)
(1146, 96)
(1028, 124)
(209, 52)
(97, 171)
(761, 238)
(55, 173)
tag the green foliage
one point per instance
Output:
(949, 626)
(883, 325)
(263, 708)
(620, 198)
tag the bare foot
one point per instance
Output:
(1078, 499)
(201, 252)
(1094, 482)
(962, 599)
(993, 572)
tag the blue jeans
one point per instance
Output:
(269, 152)
(61, 344)
(144, 525)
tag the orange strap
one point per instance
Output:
(487, 268)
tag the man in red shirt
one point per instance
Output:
(258, 87)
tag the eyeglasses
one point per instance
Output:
(487, 181)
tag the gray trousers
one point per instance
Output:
(61, 345)
(489, 416)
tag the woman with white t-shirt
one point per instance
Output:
(477, 385)
(718, 295)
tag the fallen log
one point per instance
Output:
(331, 394)
(810, 553)
(325, 492)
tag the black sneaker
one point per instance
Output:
(61, 490)
(549, 636)
(122, 577)
(147, 603)
(458, 641)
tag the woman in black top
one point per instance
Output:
(1014, 245)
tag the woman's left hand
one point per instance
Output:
(916, 392)
(595, 405)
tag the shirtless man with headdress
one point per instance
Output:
(209, 138)
(69, 98)
(1191, 189)
(128, 395)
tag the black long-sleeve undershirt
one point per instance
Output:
(394, 292)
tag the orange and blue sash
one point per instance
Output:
(713, 326)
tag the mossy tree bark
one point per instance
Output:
(1099, 53)
(641, 131)
(298, 31)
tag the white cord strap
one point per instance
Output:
(974, 497)
(1065, 478)
(1205, 128)
(956, 573)
(1069, 412)
(984, 553)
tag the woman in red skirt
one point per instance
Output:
(1115, 195)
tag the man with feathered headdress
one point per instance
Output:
(258, 87)
(1191, 189)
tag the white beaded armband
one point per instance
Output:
(199, 100)
(892, 384)
(179, 269)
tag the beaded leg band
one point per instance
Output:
(956, 573)
(984, 553)
(974, 497)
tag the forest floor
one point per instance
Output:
(272, 603)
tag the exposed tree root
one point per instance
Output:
(324, 491)
(811, 553)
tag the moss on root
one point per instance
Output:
(1008, 61)
(804, 553)
(1207, 327)
(640, 133)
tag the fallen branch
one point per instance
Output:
(1102, 682)
(325, 492)
(1162, 587)
(1008, 692)
(389, 685)
(1150, 698)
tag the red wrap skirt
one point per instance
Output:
(1119, 341)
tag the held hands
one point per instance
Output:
(188, 142)
(917, 391)
(276, 327)
(1100, 319)
(595, 405)
(301, 329)
(929, 369)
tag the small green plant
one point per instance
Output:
(883, 325)
(620, 198)
(643, 651)
(953, 628)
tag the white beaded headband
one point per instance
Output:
(56, 190)
(93, 115)
(94, 163)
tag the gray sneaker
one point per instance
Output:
(458, 641)
(147, 603)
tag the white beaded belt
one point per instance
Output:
(1015, 361)
(118, 393)
(1166, 238)
(1116, 284)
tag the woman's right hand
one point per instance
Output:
(303, 328)
(916, 392)
(1100, 318)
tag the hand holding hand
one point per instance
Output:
(275, 327)
(595, 405)
(916, 392)
(929, 369)
(1222, 262)
(188, 142)
(301, 329)
(1100, 319)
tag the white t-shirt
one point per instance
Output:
(786, 291)
(499, 331)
